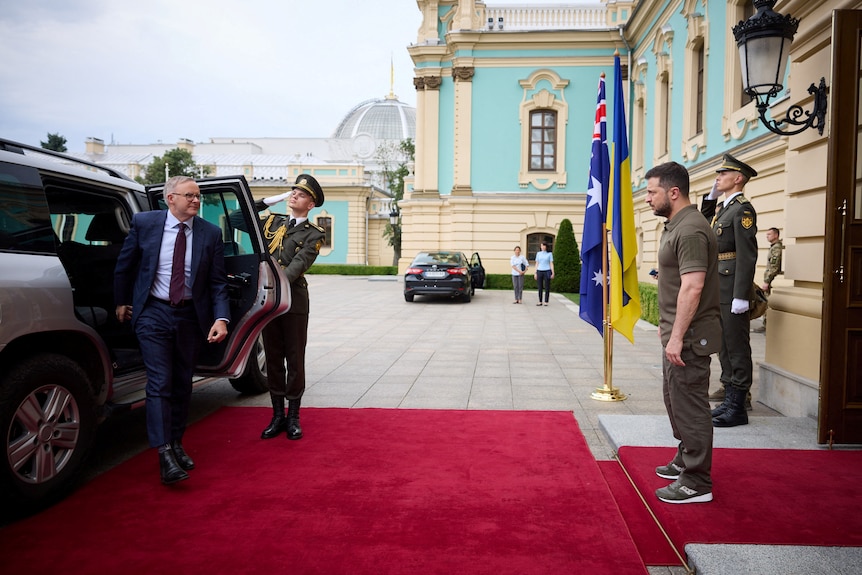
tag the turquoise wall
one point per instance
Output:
(338, 211)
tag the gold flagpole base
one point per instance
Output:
(605, 394)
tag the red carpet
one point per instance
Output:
(650, 541)
(761, 496)
(366, 491)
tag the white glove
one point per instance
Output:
(714, 194)
(272, 200)
(738, 306)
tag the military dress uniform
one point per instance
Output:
(295, 247)
(735, 226)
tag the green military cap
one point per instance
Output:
(731, 163)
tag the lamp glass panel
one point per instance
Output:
(764, 61)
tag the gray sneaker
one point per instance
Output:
(678, 493)
(669, 471)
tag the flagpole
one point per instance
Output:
(607, 392)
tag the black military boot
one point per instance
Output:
(170, 470)
(735, 413)
(294, 431)
(723, 406)
(279, 422)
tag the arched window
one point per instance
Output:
(326, 224)
(534, 244)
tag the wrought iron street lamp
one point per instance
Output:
(393, 217)
(764, 45)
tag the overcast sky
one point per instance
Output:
(148, 71)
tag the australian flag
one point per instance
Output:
(592, 275)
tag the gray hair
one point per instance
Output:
(175, 181)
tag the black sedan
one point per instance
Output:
(444, 273)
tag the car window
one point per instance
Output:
(25, 222)
(444, 258)
(217, 205)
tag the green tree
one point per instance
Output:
(55, 142)
(567, 261)
(179, 162)
(395, 160)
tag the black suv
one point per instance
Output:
(66, 363)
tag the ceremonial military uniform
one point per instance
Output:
(295, 247)
(735, 226)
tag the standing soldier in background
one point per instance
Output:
(773, 264)
(773, 260)
(735, 226)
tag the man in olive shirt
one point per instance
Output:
(690, 330)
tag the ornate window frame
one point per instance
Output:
(664, 93)
(326, 249)
(535, 100)
(639, 119)
(696, 52)
(738, 118)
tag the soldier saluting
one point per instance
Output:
(735, 226)
(294, 242)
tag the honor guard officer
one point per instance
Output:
(735, 226)
(294, 242)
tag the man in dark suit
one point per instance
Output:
(170, 281)
(295, 243)
(735, 226)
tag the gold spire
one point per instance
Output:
(391, 95)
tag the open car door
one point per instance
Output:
(258, 289)
(477, 272)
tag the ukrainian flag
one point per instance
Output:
(625, 295)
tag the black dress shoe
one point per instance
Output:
(276, 426)
(170, 469)
(181, 456)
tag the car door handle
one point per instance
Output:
(243, 278)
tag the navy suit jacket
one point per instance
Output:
(139, 259)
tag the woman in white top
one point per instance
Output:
(519, 267)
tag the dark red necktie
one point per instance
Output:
(178, 271)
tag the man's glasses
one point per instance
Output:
(189, 196)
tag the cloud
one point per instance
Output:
(160, 70)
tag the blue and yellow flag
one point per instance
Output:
(625, 296)
(592, 252)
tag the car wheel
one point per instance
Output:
(466, 297)
(408, 297)
(253, 379)
(47, 422)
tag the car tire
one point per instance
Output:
(47, 422)
(466, 297)
(408, 297)
(253, 379)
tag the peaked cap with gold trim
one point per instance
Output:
(731, 163)
(310, 186)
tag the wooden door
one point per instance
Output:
(840, 418)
